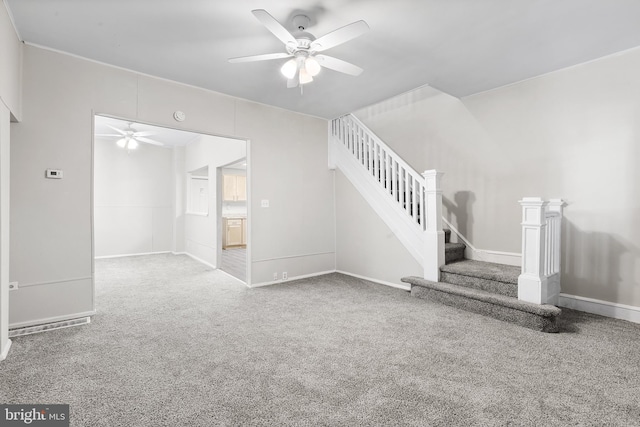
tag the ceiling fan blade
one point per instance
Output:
(108, 134)
(121, 132)
(336, 64)
(339, 36)
(149, 141)
(274, 26)
(143, 133)
(264, 57)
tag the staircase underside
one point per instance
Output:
(485, 288)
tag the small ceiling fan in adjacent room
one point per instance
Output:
(303, 48)
(129, 138)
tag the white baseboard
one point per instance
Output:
(507, 258)
(277, 282)
(602, 308)
(200, 260)
(48, 320)
(19, 332)
(5, 353)
(380, 282)
(126, 255)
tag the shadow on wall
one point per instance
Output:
(460, 208)
(594, 265)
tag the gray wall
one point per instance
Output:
(573, 134)
(51, 243)
(133, 199)
(201, 232)
(365, 246)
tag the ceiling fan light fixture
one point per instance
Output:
(305, 77)
(133, 144)
(121, 142)
(312, 66)
(289, 69)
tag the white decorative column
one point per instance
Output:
(554, 234)
(434, 236)
(532, 282)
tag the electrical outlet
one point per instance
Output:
(275, 276)
(284, 275)
(13, 286)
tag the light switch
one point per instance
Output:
(54, 173)
(264, 203)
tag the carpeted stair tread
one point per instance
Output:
(484, 270)
(453, 252)
(533, 316)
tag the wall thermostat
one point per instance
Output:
(54, 173)
(179, 116)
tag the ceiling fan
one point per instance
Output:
(129, 138)
(302, 47)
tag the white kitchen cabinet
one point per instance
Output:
(234, 188)
(234, 232)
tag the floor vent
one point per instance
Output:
(18, 332)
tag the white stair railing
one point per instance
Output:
(410, 203)
(539, 281)
(404, 185)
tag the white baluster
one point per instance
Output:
(387, 166)
(401, 189)
(394, 185)
(369, 154)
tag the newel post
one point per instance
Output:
(532, 282)
(434, 236)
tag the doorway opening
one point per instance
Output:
(232, 186)
(158, 190)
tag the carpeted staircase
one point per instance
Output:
(484, 288)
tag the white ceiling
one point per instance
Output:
(460, 47)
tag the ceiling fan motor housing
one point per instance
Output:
(300, 22)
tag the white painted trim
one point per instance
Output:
(293, 256)
(507, 258)
(201, 261)
(127, 255)
(52, 319)
(53, 282)
(600, 307)
(380, 282)
(290, 279)
(457, 233)
(5, 353)
(36, 329)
